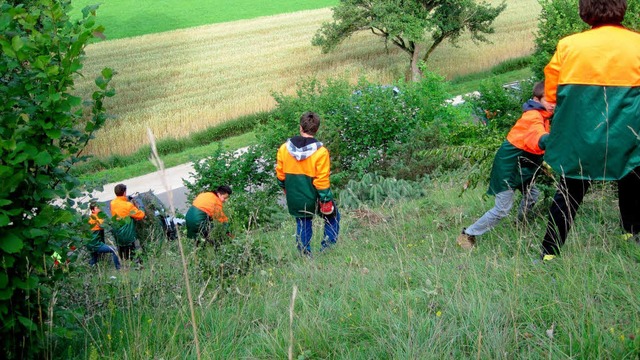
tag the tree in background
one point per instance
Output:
(43, 132)
(560, 18)
(408, 24)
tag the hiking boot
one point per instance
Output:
(466, 241)
(548, 257)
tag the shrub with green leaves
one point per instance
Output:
(362, 123)
(560, 18)
(44, 130)
(251, 177)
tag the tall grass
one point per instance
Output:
(396, 286)
(184, 81)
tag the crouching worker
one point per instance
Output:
(302, 170)
(517, 161)
(96, 245)
(206, 214)
(124, 213)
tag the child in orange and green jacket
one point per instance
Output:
(97, 245)
(207, 207)
(302, 169)
(124, 213)
(515, 165)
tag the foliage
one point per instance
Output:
(374, 191)
(363, 125)
(43, 133)
(560, 18)
(501, 106)
(407, 24)
(231, 260)
(250, 176)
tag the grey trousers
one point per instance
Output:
(504, 202)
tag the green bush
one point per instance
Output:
(43, 131)
(500, 106)
(231, 260)
(251, 178)
(362, 124)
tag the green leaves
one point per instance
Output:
(11, 243)
(407, 24)
(41, 136)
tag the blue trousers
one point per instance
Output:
(105, 249)
(304, 231)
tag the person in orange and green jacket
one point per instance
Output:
(124, 213)
(96, 245)
(302, 169)
(594, 77)
(515, 165)
(206, 208)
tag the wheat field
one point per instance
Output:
(182, 81)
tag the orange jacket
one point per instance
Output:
(211, 204)
(121, 208)
(532, 125)
(95, 220)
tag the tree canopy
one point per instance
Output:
(415, 26)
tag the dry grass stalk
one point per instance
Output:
(155, 159)
(291, 307)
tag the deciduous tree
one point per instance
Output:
(417, 27)
(43, 130)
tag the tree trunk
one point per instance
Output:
(416, 73)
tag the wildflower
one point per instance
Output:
(439, 313)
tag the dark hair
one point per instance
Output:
(310, 122)
(603, 12)
(92, 205)
(223, 189)
(538, 89)
(120, 189)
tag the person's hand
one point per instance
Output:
(327, 208)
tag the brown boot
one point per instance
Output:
(466, 241)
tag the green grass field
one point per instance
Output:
(126, 18)
(395, 287)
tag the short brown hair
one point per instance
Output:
(538, 89)
(310, 122)
(120, 189)
(603, 12)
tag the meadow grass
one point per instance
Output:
(183, 81)
(395, 286)
(127, 18)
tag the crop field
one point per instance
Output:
(151, 16)
(182, 81)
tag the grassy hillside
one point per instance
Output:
(395, 287)
(183, 81)
(126, 18)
